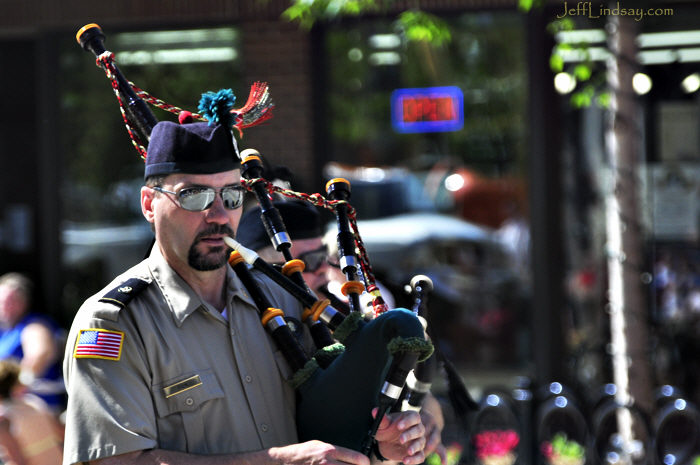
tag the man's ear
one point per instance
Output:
(147, 195)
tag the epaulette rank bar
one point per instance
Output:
(122, 294)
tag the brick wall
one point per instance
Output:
(279, 53)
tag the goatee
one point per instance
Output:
(215, 257)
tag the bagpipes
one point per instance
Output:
(360, 363)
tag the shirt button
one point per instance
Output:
(264, 427)
(248, 378)
(189, 401)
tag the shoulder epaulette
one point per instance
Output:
(122, 294)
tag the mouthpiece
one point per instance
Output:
(248, 255)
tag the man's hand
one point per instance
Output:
(401, 436)
(306, 453)
(314, 452)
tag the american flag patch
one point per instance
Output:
(99, 343)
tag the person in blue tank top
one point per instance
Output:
(31, 339)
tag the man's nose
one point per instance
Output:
(217, 213)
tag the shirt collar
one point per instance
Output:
(180, 297)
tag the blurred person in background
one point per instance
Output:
(303, 224)
(514, 233)
(31, 339)
(29, 431)
(309, 244)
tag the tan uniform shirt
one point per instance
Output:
(185, 378)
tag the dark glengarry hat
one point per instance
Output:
(302, 220)
(193, 148)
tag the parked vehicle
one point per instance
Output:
(477, 296)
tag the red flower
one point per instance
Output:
(497, 442)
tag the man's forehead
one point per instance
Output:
(306, 245)
(223, 178)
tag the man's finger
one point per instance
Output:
(412, 433)
(385, 420)
(414, 459)
(406, 420)
(350, 456)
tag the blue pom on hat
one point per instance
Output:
(216, 107)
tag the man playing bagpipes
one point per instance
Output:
(169, 363)
(188, 357)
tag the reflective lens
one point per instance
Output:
(197, 199)
(232, 197)
(313, 259)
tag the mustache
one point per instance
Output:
(214, 230)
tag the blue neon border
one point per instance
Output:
(453, 92)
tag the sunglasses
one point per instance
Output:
(313, 259)
(200, 198)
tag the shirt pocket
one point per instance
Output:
(186, 393)
(179, 403)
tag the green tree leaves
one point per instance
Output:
(416, 25)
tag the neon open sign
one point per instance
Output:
(429, 109)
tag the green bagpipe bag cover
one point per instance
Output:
(335, 402)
